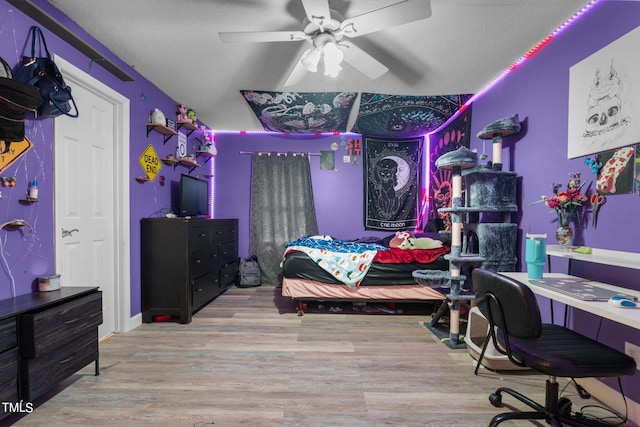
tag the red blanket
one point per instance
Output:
(403, 256)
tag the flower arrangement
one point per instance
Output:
(566, 203)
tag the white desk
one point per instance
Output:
(598, 256)
(626, 316)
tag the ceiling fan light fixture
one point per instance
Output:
(333, 57)
(311, 58)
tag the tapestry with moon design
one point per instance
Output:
(391, 183)
(300, 112)
(399, 116)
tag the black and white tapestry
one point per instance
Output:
(301, 112)
(391, 183)
(400, 116)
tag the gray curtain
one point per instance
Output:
(282, 208)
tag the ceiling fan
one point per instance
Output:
(327, 31)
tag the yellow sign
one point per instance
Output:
(12, 151)
(151, 163)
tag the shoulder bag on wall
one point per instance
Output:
(16, 99)
(43, 73)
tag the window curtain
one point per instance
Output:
(282, 208)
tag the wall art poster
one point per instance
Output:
(391, 179)
(616, 173)
(604, 98)
(455, 135)
(327, 160)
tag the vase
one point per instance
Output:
(564, 234)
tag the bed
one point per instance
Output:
(320, 268)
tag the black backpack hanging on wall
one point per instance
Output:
(44, 74)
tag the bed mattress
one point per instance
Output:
(298, 265)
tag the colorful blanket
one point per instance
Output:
(346, 261)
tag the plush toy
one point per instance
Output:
(192, 115)
(182, 114)
(423, 243)
(400, 240)
(406, 240)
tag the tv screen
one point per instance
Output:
(194, 196)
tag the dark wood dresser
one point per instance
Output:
(185, 264)
(46, 337)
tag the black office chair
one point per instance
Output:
(516, 329)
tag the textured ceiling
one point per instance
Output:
(463, 46)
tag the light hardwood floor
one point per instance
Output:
(248, 359)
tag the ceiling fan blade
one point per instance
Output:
(386, 17)
(317, 11)
(362, 61)
(262, 36)
(298, 74)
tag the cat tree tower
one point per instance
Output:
(481, 231)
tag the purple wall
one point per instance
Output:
(337, 194)
(539, 92)
(26, 256)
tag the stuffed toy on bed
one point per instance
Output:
(406, 240)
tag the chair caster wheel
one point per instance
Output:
(495, 399)
(564, 406)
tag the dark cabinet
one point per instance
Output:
(46, 337)
(185, 264)
(58, 341)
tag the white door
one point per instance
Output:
(87, 197)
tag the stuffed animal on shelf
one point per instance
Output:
(182, 116)
(191, 114)
(406, 240)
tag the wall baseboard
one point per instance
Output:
(134, 322)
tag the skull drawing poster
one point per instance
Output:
(391, 178)
(604, 99)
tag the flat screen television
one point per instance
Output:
(194, 196)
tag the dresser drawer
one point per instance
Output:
(205, 288)
(200, 236)
(8, 334)
(226, 230)
(202, 260)
(9, 376)
(47, 329)
(40, 373)
(228, 252)
(228, 274)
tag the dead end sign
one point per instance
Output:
(150, 162)
(12, 151)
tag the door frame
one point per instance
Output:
(121, 208)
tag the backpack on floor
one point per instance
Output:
(249, 273)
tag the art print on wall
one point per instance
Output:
(391, 178)
(604, 99)
(453, 136)
(616, 174)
